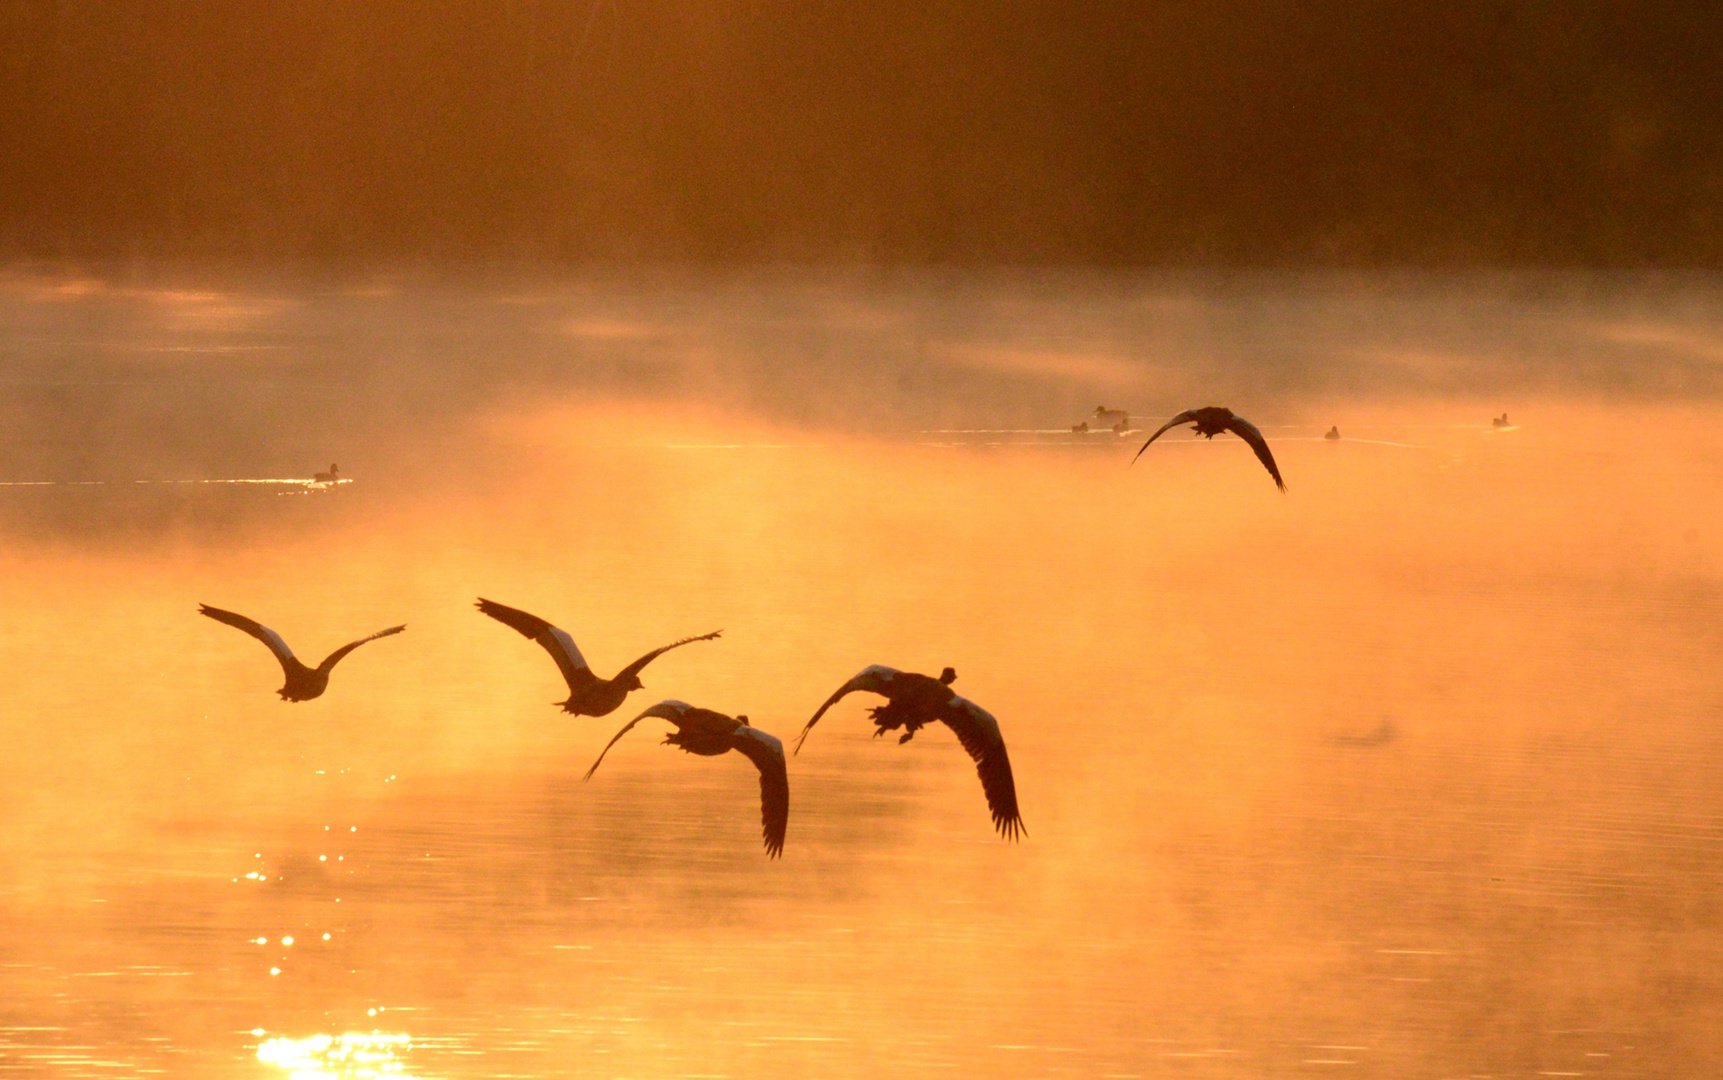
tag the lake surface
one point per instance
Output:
(1415, 771)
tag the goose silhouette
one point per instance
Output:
(303, 683)
(709, 734)
(1211, 421)
(331, 477)
(588, 695)
(912, 702)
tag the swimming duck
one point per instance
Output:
(1333, 433)
(1113, 419)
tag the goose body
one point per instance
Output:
(1211, 421)
(912, 702)
(709, 734)
(303, 683)
(588, 695)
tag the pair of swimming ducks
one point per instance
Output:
(913, 701)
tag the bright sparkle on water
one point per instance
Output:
(353, 1056)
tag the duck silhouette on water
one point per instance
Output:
(912, 702)
(709, 734)
(333, 476)
(1115, 420)
(588, 695)
(1333, 434)
(303, 683)
(1211, 421)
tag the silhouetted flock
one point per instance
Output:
(912, 700)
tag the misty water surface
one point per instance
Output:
(1413, 771)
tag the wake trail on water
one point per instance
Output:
(306, 483)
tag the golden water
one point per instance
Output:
(1414, 771)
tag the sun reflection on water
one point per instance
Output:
(353, 1056)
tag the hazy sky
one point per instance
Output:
(1208, 131)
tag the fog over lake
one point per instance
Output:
(1413, 771)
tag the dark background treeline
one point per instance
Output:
(1049, 131)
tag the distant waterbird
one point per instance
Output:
(1211, 421)
(912, 702)
(303, 683)
(1115, 420)
(1333, 434)
(333, 476)
(1500, 421)
(588, 695)
(709, 734)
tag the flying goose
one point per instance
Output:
(1212, 421)
(914, 701)
(303, 683)
(588, 695)
(708, 733)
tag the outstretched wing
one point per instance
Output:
(875, 679)
(670, 710)
(334, 658)
(979, 733)
(555, 640)
(767, 754)
(634, 668)
(255, 629)
(1182, 418)
(1246, 430)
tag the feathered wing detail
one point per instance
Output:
(334, 658)
(875, 678)
(670, 710)
(635, 668)
(528, 625)
(979, 733)
(767, 754)
(1247, 431)
(257, 630)
(1182, 418)
(576, 672)
(555, 641)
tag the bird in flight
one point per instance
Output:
(708, 733)
(588, 695)
(1212, 421)
(914, 701)
(303, 683)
